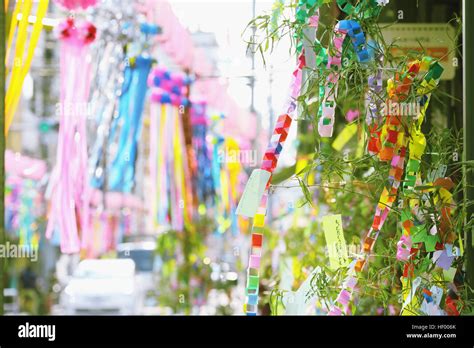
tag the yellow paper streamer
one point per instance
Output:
(21, 64)
(159, 169)
(234, 168)
(11, 33)
(178, 163)
(224, 189)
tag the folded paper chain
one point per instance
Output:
(392, 146)
(327, 108)
(269, 163)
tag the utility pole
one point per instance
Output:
(468, 129)
(3, 260)
(252, 73)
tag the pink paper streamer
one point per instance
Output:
(70, 192)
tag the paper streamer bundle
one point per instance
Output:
(225, 172)
(69, 190)
(113, 215)
(202, 180)
(24, 51)
(22, 198)
(392, 147)
(217, 182)
(168, 157)
(127, 126)
(168, 166)
(168, 97)
(105, 226)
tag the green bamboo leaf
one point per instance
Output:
(307, 194)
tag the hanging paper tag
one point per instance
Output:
(411, 292)
(444, 261)
(343, 137)
(436, 294)
(439, 172)
(452, 251)
(336, 244)
(306, 293)
(253, 193)
(297, 302)
(449, 274)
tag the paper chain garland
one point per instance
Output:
(309, 9)
(325, 126)
(391, 146)
(373, 103)
(327, 108)
(328, 94)
(70, 191)
(270, 160)
(413, 225)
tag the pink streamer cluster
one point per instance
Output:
(70, 193)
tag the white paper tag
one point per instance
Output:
(436, 294)
(297, 302)
(253, 193)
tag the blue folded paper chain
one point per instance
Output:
(357, 36)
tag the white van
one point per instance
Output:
(102, 287)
